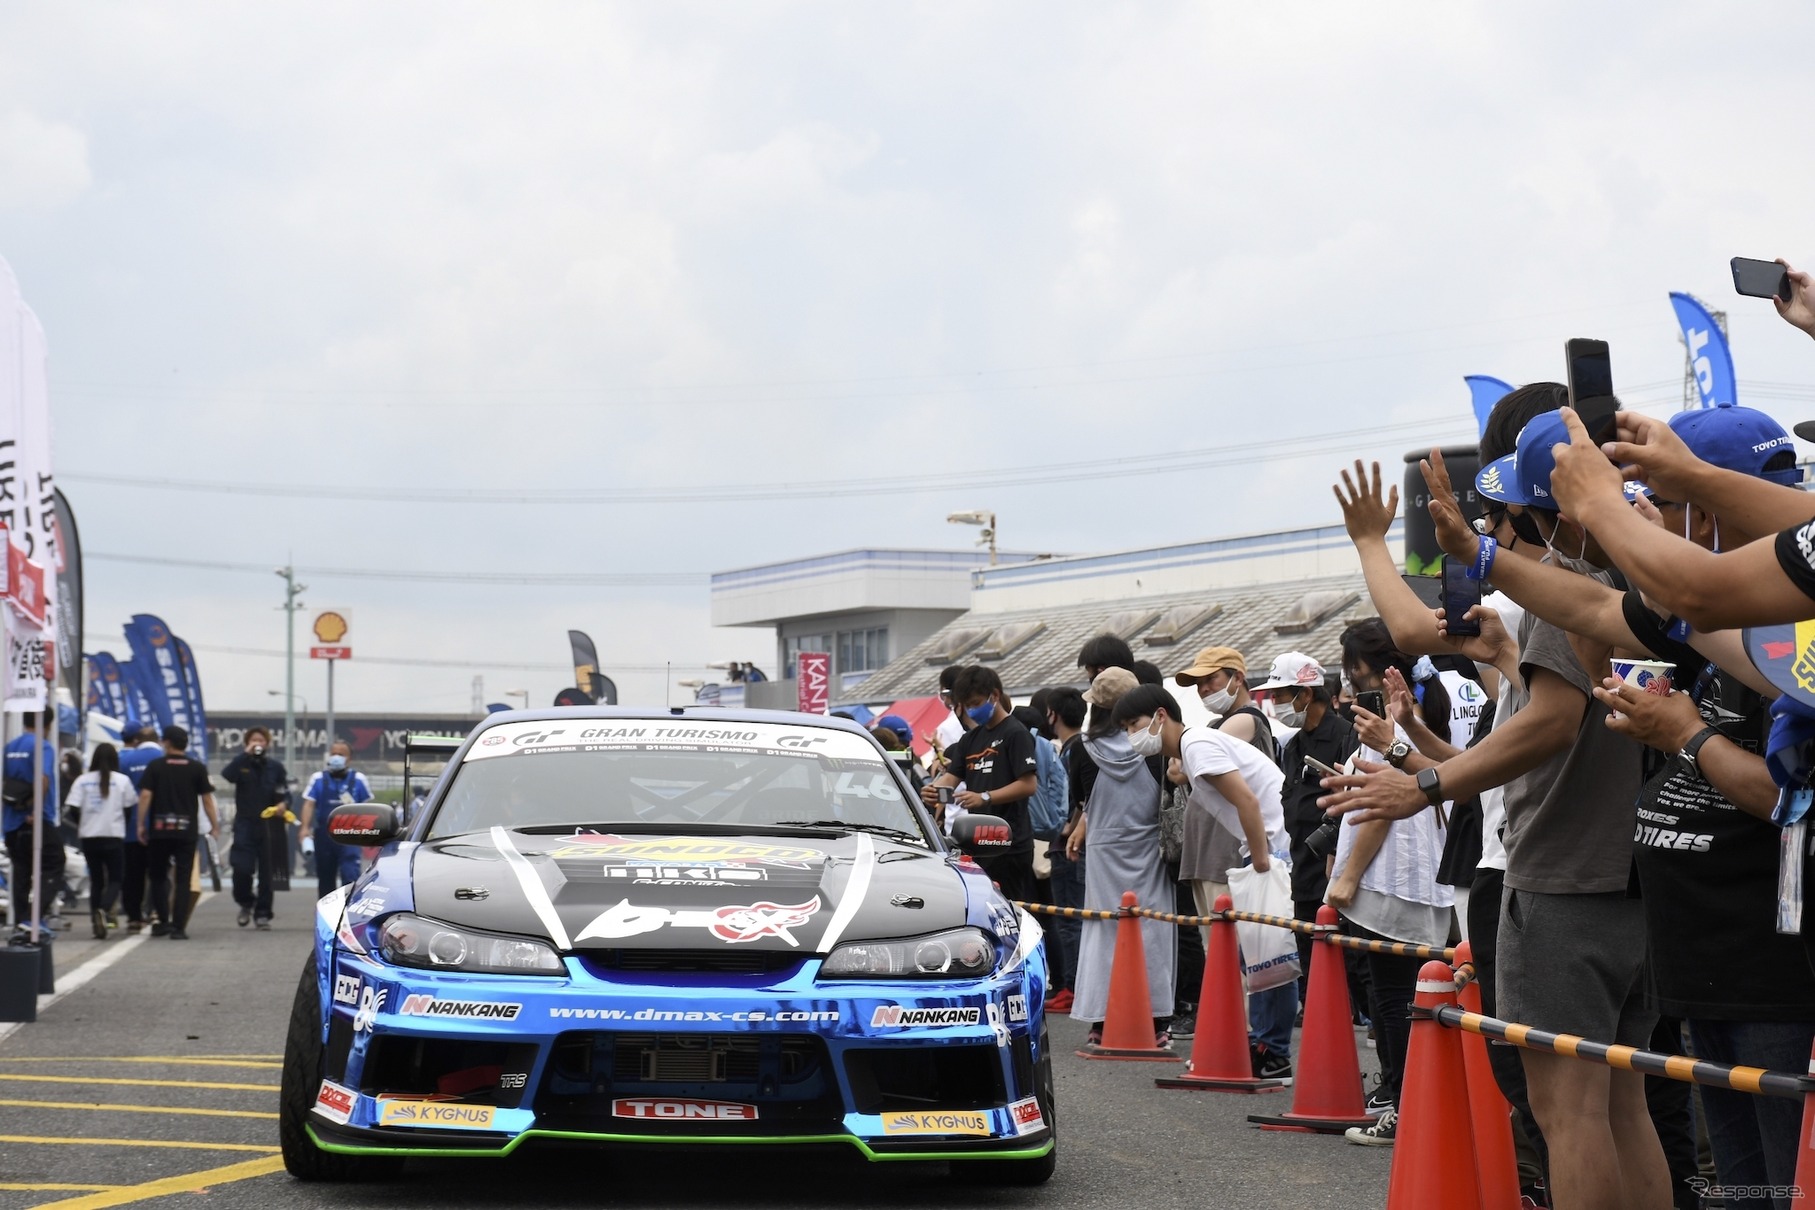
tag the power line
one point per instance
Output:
(552, 579)
(1272, 449)
(414, 662)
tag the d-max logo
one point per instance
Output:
(683, 1111)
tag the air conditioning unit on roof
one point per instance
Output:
(1179, 621)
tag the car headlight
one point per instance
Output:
(965, 953)
(407, 939)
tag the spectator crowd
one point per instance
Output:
(1626, 853)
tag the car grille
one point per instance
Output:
(786, 1076)
(723, 962)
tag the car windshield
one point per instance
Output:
(672, 773)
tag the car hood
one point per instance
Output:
(794, 893)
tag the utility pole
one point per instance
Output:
(292, 590)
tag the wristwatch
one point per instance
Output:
(985, 797)
(1692, 750)
(1430, 784)
(1395, 755)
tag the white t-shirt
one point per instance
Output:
(1205, 753)
(103, 815)
(948, 732)
(1493, 802)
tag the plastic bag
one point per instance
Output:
(1269, 953)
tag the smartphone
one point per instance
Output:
(944, 793)
(1373, 701)
(1323, 770)
(1460, 594)
(1591, 386)
(1760, 278)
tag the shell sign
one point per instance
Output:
(330, 626)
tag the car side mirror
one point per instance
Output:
(363, 823)
(982, 834)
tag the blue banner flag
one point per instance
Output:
(105, 676)
(1485, 392)
(138, 703)
(160, 672)
(192, 684)
(1709, 356)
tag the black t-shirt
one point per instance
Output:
(1080, 770)
(1709, 870)
(177, 785)
(1332, 741)
(988, 758)
(1796, 555)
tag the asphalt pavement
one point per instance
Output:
(157, 1077)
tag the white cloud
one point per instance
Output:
(42, 164)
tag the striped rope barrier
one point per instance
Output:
(1068, 913)
(1465, 975)
(1626, 1058)
(1403, 949)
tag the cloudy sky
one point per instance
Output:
(401, 268)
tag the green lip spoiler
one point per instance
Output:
(1028, 1153)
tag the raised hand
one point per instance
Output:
(1799, 308)
(1366, 514)
(1454, 534)
(1583, 473)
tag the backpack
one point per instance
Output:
(1051, 801)
(1264, 739)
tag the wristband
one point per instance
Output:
(1484, 559)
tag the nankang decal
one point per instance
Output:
(754, 1016)
(894, 1014)
(733, 924)
(427, 1006)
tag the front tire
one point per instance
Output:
(299, 1086)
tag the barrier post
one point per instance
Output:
(1434, 1161)
(1327, 1097)
(1220, 1058)
(1128, 1018)
(1498, 1163)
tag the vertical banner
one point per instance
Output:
(1709, 358)
(585, 663)
(192, 689)
(1483, 393)
(161, 674)
(115, 700)
(30, 661)
(69, 596)
(134, 685)
(813, 677)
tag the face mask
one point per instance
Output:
(1285, 716)
(337, 761)
(1147, 742)
(982, 714)
(1220, 701)
(258, 749)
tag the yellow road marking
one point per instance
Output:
(168, 1059)
(194, 1182)
(10, 1187)
(212, 1113)
(139, 1083)
(32, 1138)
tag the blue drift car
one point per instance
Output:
(699, 927)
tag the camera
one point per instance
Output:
(1322, 842)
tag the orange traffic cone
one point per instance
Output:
(1488, 1110)
(1128, 1020)
(1805, 1155)
(1327, 1098)
(1434, 1157)
(1220, 1058)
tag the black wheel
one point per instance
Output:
(1022, 1172)
(299, 1086)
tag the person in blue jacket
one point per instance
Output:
(145, 748)
(335, 863)
(21, 772)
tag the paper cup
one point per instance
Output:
(1651, 676)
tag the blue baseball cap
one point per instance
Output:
(1523, 476)
(899, 725)
(1737, 439)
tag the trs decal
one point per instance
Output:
(734, 923)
